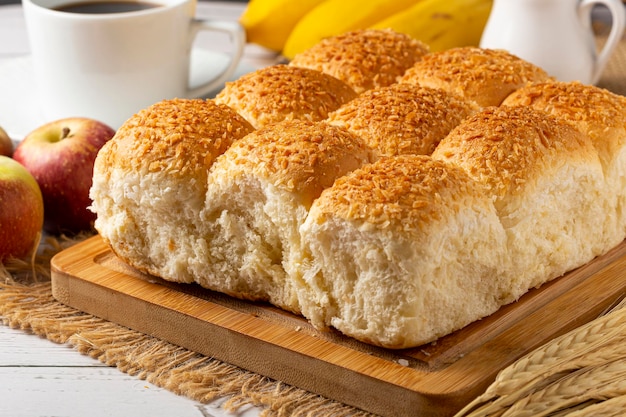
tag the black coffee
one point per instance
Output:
(102, 7)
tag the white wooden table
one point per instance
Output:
(39, 378)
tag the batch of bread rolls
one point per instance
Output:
(391, 193)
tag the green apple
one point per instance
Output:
(61, 155)
(21, 209)
(6, 144)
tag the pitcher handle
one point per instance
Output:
(618, 20)
(238, 39)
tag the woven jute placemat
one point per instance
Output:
(582, 373)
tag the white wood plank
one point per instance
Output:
(78, 391)
(24, 349)
(39, 378)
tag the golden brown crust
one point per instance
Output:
(402, 118)
(364, 59)
(403, 193)
(181, 136)
(592, 109)
(282, 92)
(485, 76)
(506, 148)
(297, 155)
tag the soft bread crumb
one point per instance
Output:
(150, 181)
(403, 251)
(260, 192)
(547, 184)
(601, 115)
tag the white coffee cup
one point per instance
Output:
(109, 66)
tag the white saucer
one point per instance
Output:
(19, 108)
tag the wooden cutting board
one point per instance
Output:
(432, 380)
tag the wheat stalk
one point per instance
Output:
(566, 412)
(598, 382)
(574, 344)
(613, 407)
(597, 342)
(609, 352)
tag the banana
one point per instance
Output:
(269, 22)
(442, 24)
(334, 17)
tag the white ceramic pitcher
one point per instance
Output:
(555, 35)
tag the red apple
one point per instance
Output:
(60, 155)
(21, 209)
(6, 144)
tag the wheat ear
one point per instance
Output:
(604, 336)
(613, 407)
(598, 382)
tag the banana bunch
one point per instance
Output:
(269, 22)
(442, 24)
(290, 27)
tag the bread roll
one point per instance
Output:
(547, 184)
(260, 192)
(402, 118)
(280, 92)
(602, 116)
(363, 59)
(150, 182)
(402, 251)
(484, 76)
(327, 210)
